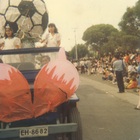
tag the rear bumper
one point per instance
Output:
(52, 129)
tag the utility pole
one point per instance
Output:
(76, 53)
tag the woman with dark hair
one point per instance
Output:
(50, 38)
(51, 25)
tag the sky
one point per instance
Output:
(73, 17)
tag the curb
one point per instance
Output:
(130, 97)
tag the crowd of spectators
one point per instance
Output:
(104, 66)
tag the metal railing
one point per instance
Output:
(29, 50)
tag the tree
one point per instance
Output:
(130, 25)
(98, 35)
(121, 40)
(130, 22)
(82, 51)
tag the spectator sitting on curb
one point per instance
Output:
(105, 74)
(132, 83)
(114, 81)
(110, 75)
(100, 70)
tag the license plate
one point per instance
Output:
(33, 132)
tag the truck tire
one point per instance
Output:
(74, 117)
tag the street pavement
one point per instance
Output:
(130, 95)
(106, 114)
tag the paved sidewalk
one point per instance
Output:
(129, 95)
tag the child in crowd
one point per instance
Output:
(132, 83)
(10, 42)
(110, 75)
(114, 81)
(45, 60)
(100, 69)
(105, 74)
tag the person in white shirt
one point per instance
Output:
(50, 38)
(10, 42)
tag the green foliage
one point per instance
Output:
(121, 40)
(98, 34)
(130, 25)
(98, 37)
(137, 9)
(130, 22)
(82, 51)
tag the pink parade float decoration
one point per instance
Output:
(55, 83)
(15, 96)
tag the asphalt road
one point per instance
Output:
(104, 116)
